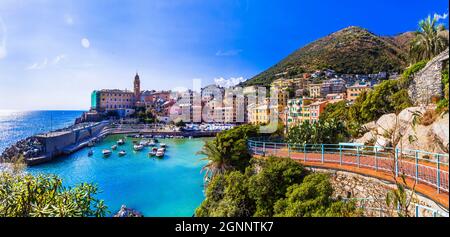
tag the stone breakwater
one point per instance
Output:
(44, 147)
(29, 148)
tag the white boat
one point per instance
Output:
(122, 153)
(160, 153)
(144, 142)
(138, 147)
(106, 152)
(113, 147)
(120, 142)
(152, 153)
(163, 145)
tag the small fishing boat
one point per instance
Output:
(151, 143)
(120, 142)
(114, 147)
(152, 153)
(144, 142)
(122, 153)
(90, 153)
(160, 153)
(163, 145)
(138, 147)
(106, 152)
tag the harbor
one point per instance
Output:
(167, 186)
(45, 147)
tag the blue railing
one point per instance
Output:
(424, 167)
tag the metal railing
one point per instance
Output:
(424, 167)
(376, 207)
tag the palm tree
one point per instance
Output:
(217, 162)
(431, 39)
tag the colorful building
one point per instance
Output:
(304, 109)
(355, 90)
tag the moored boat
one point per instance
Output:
(90, 153)
(163, 145)
(120, 142)
(144, 142)
(152, 153)
(113, 147)
(122, 153)
(160, 153)
(106, 152)
(138, 147)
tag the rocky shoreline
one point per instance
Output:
(28, 148)
(127, 212)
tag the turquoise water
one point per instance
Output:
(172, 186)
(17, 125)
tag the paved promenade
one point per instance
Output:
(429, 176)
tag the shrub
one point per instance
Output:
(25, 195)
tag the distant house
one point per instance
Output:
(355, 90)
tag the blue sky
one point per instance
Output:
(54, 53)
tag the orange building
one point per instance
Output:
(354, 91)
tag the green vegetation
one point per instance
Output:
(389, 96)
(228, 151)
(25, 195)
(272, 187)
(145, 116)
(180, 124)
(442, 106)
(408, 74)
(312, 198)
(386, 97)
(430, 40)
(329, 131)
(351, 50)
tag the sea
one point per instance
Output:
(167, 187)
(17, 125)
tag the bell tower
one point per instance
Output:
(137, 88)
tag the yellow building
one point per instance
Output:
(354, 91)
(114, 100)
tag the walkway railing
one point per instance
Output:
(424, 167)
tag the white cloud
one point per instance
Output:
(44, 64)
(85, 43)
(68, 19)
(59, 58)
(232, 81)
(3, 52)
(231, 52)
(38, 66)
(440, 17)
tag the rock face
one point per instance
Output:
(431, 138)
(127, 212)
(371, 193)
(427, 82)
